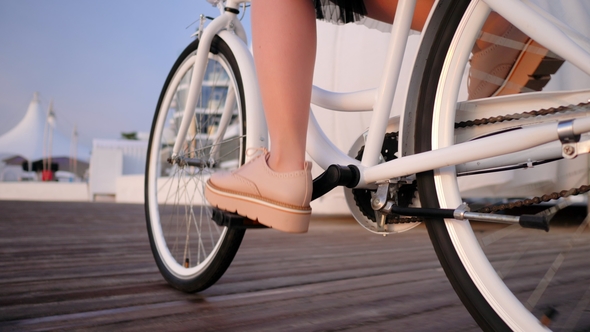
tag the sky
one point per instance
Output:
(103, 63)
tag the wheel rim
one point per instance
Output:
(467, 245)
(186, 238)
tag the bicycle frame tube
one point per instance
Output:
(322, 150)
(487, 147)
(357, 101)
(397, 45)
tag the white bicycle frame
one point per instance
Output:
(534, 22)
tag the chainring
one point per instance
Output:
(406, 192)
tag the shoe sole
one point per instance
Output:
(282, 218)
(532, 70)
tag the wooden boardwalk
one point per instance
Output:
(88, 265)
(68, 266)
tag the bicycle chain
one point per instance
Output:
(406, 193)
(523, 115)
(536, 200)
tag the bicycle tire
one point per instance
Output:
(178, 217)
(495, 305)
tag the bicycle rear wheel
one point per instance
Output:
(508, 278)
(191, 251)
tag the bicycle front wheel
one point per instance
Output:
(508, 277)
(191, 251)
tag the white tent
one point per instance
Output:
(26, 139)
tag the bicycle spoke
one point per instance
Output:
(499, 234)
(507, 267)
(189, 217)
(180, 190)
(172, 221)
(577, 312)
(544, 283)
(200, 150)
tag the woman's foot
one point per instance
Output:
(509, 63)
(277, 200)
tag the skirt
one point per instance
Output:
(340, 11)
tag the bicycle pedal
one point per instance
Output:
(334, 176)
(232, 220)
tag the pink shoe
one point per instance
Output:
(514, 63)
(277, 200)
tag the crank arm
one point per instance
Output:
(526, 221)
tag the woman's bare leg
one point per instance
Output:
(284, 44)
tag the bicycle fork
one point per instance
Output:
(198, 74)
(222, 25)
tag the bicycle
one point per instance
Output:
(209, 114)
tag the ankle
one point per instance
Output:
(285, 165)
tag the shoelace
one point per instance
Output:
(251, 152)
(254, 153)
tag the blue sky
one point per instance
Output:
(102, 62)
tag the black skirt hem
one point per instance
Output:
(340, 11)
